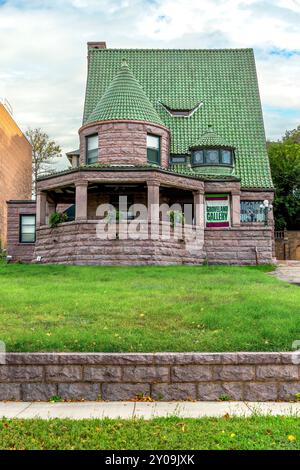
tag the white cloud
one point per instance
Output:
(43, 50)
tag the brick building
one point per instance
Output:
(175, 129)
(15, 167)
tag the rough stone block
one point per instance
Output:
(38, 392)
(102, 374)
(117, 392)
(191, 373)
(213, 391)
(63, 373)
(237, 372)
(145, 374)
(277, 372)
(287, 391)
(26, 373)
(79, 391)
(260, 392)
(31, 358)
(175, 391)
(10, 391)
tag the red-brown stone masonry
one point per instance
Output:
(18, 251)
(124, 142)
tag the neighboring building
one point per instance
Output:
(181, 127)
(15, 167)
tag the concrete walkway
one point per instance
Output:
(128, 410)
(288, 271)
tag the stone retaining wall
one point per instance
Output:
(163, 376)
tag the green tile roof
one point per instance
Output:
(124, 99)
(211, 139)
(223, 80)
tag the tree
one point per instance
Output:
(285, 167)
(293, 136)
(44, 152)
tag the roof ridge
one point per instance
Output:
(228, 49)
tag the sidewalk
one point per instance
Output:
(128, 410)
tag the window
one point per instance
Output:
(27, 228)
(212, 157)
(177, 159)
(251, 211)
(92, 149)
(198, 157)
(153, 149)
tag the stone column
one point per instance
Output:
(199, 208)
(41, 201)
(81, 200)
(50, 208)
(236, 209)
(153, 208)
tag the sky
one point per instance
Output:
(43, 51)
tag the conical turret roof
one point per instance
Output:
(124, 99)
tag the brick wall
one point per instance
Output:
(124, 142)
(15, 167)
(18, 251)
(162, 376)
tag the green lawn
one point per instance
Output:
(178, 308)
(161, 433)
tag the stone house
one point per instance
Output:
(15, 168)
(175, 129)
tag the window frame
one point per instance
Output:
(87, 137)
(152, 148)
(220, 155)
(184, 157)
(257, 202)
(21, 226)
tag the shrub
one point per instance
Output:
(57, 218)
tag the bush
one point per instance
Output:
(57, 218)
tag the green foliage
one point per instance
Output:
(57, 218)
(285, 166)
(293, 136)
(114, 216)
(56, 399)
(228, 433)
(44, 153)
(145, 309)
(176, 218)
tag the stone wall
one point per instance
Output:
(241, 246)
(77, 243)
(18, 251)
(162, 376)
(129, 140)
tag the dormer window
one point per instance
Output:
(212, 157)
(92, 149)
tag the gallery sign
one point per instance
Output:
(217, 210)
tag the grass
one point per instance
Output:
(178, 308)
(253, 433)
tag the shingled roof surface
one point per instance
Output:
(223, 80)
(124, 99)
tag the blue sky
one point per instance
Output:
(43, 50)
